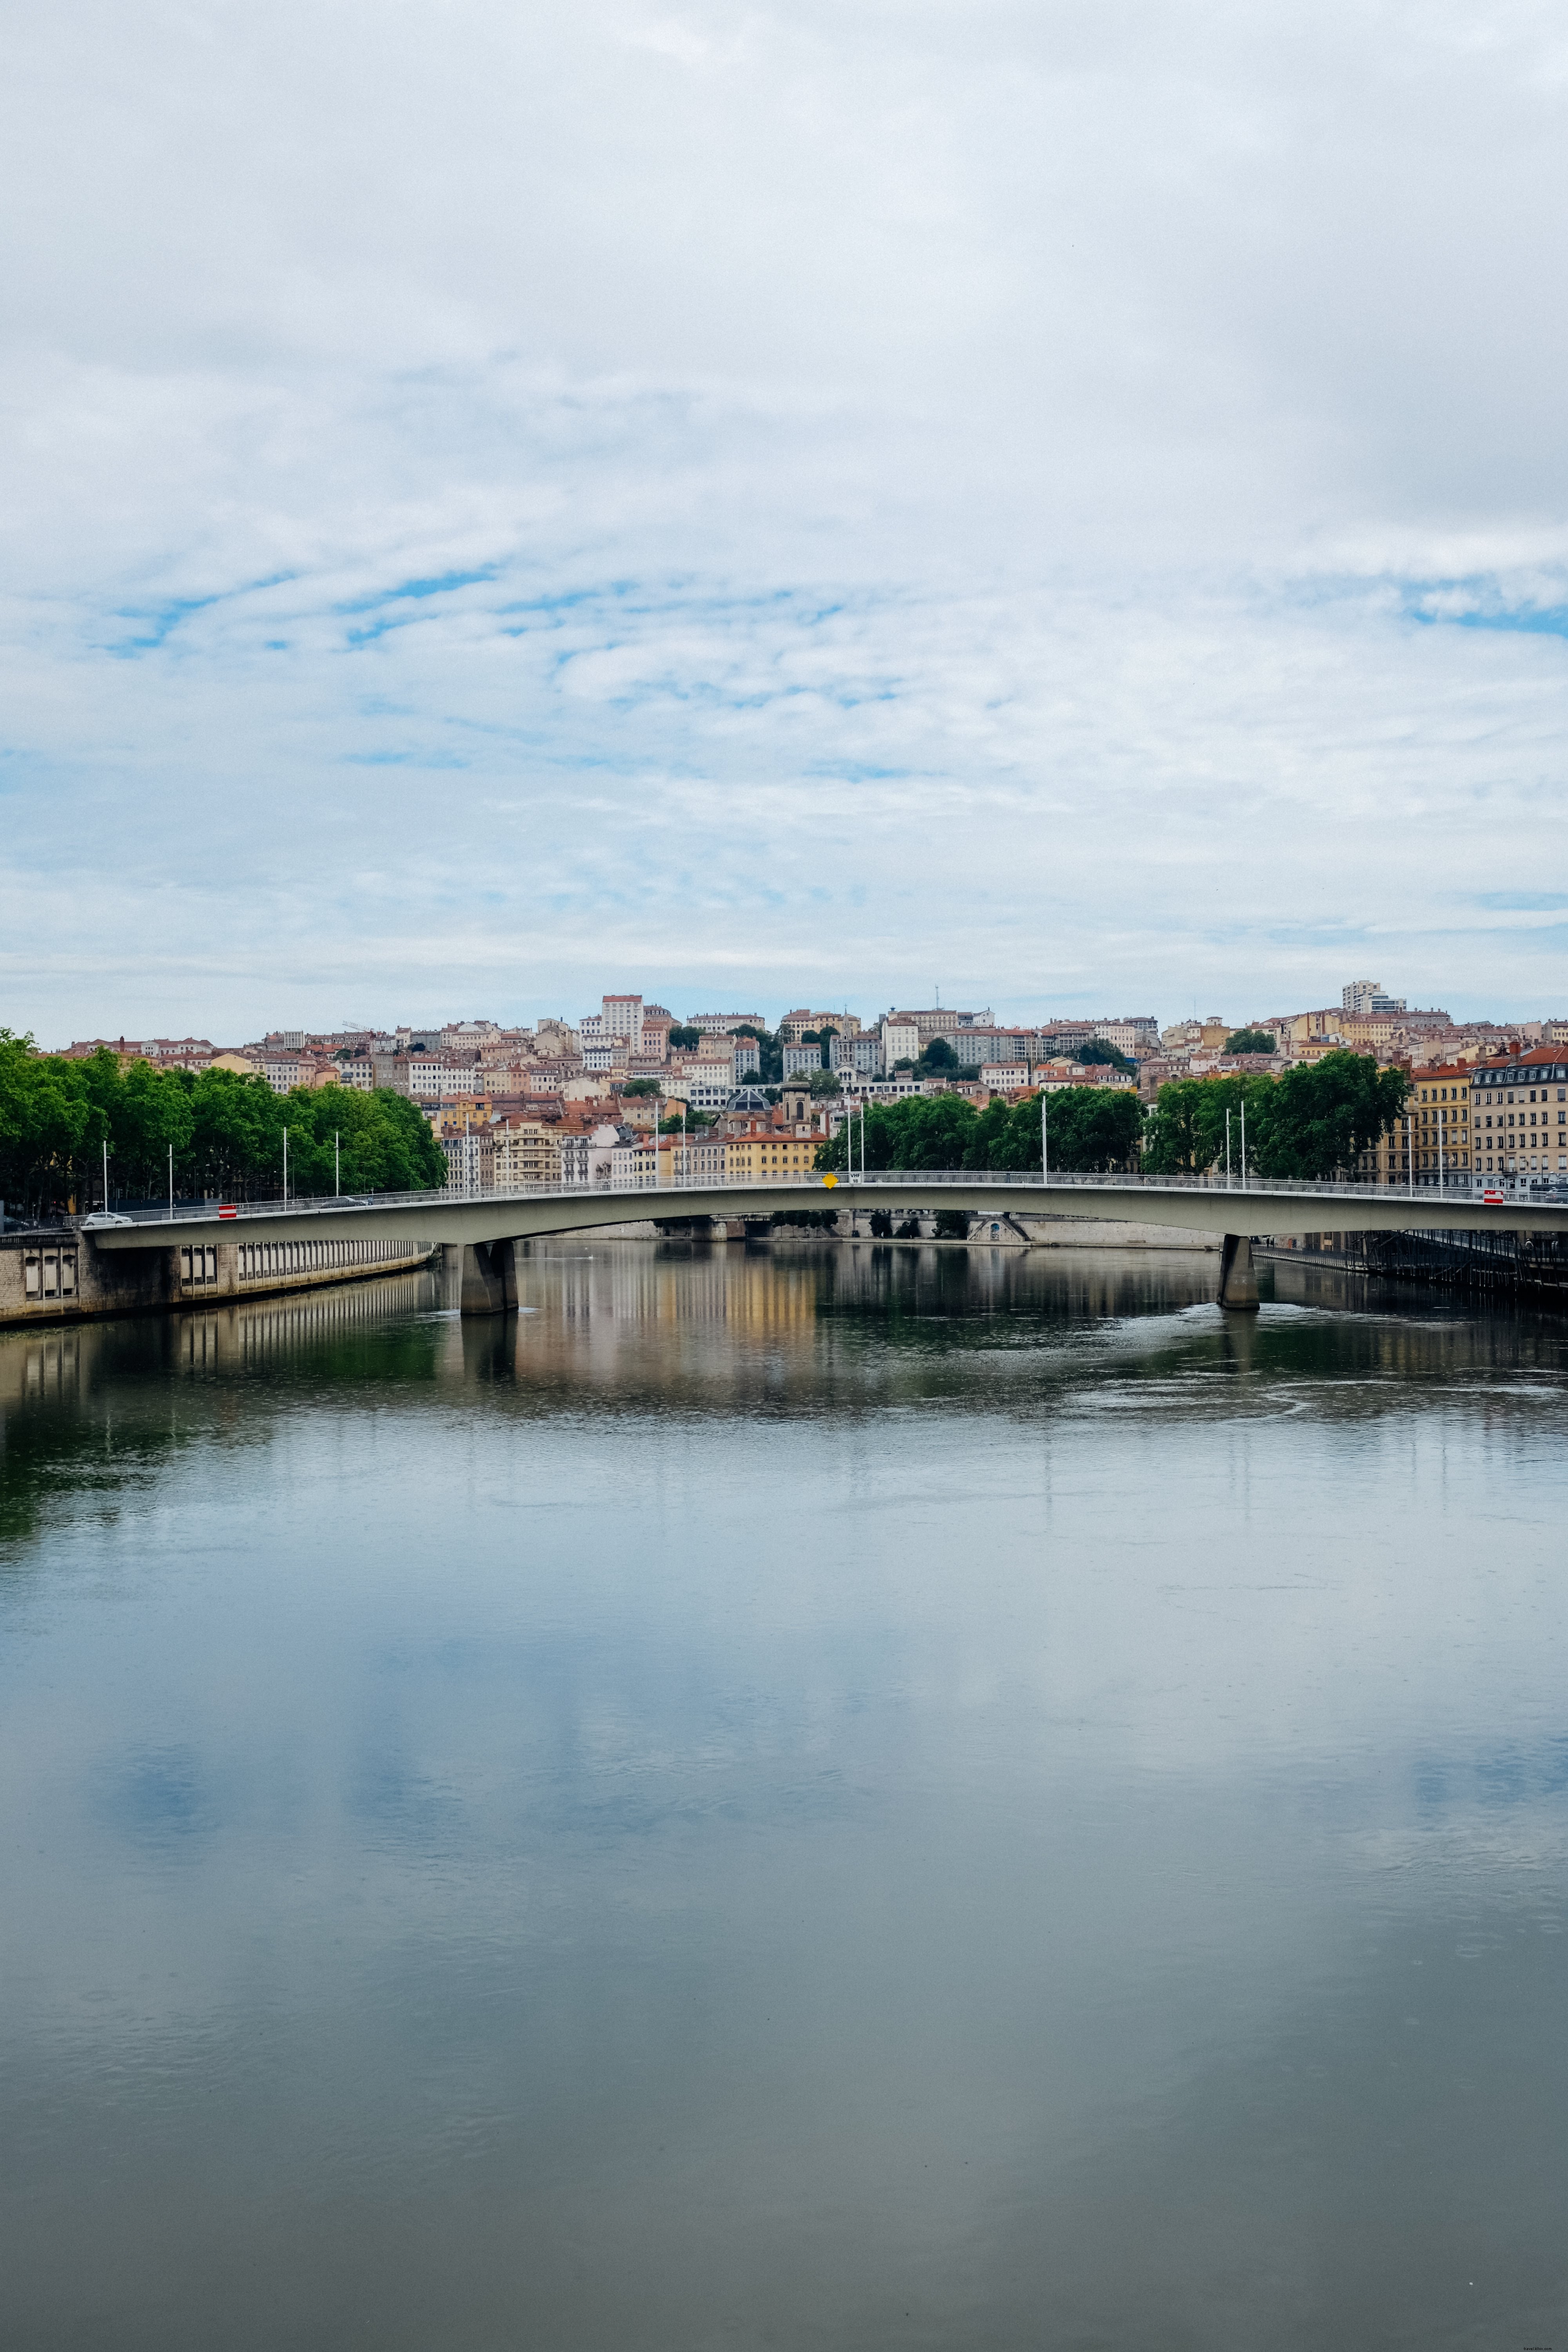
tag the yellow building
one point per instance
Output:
(754, 1158)
(1431, 1146)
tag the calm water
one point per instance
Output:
(797, 1801)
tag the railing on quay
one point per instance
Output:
(979, 1179)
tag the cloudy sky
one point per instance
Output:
(768, 503)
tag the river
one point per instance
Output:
(796, 1797)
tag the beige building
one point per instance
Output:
(527, 1151)
(1521, 1119)
(700, 1159)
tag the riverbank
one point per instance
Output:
(53, 1274)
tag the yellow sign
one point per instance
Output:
(830, 1181)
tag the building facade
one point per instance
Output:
(1520, 1121)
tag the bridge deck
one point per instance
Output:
(1193, 1204)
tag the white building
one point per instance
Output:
(470, 1162)
(589, 1160)
(901, 1042)
(429, 1076)
(622, 1017)
(705, 1093)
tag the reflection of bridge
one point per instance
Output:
(485, 1226)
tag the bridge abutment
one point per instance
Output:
(1237, 1278)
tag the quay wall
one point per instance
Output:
(57, 1275)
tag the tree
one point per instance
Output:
(952, 1225)
(1101, 1052)
(1251, 1041)
(634, 1087)
(1323, 1115)
(823, 1082)
(1185, 1132)
(921, 1131)
(687, 1039)
(938, 1059)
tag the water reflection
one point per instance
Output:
(875, 1797)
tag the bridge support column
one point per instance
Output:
(1237, 1281)
(489, 1278)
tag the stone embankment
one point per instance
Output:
(55, 1276)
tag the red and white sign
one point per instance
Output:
(228, 1213)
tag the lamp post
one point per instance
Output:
(285, 1167)
(170, 1181)
(1227, 1151)
(106, 1172)
(337, 1164)
(1243, 1143)
(1045, 1136)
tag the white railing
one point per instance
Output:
(1060, 1186)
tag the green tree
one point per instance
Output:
(922, 1131)
(1251, 1041)
(1185, 1132)
(938, 1059)
(1100, 1052)
(1322, 1114)
(687, 1039)
(388, 1145)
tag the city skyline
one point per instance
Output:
(1076, 498)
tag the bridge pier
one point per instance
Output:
(489, 1278)
(1237, 1279)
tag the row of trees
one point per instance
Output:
(1316, 1121)
(1092, 1130)
(227, 1132)
(1313, 1122)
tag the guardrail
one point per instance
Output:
(978, 1180)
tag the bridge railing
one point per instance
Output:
(651, 1197)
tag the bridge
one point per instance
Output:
(486, 1226)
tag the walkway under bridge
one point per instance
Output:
(486, 1226)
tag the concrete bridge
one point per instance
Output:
(486, 1225)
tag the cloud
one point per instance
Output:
(508, 502)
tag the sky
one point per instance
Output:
(780, 504)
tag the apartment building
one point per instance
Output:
(794, 1026)
(718, 1024)
(526, 1152)
(1433, 1148)
(471, 1160)
(1520, 1119)
(587, 1154)
(700, 1156)
(770, 1151)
